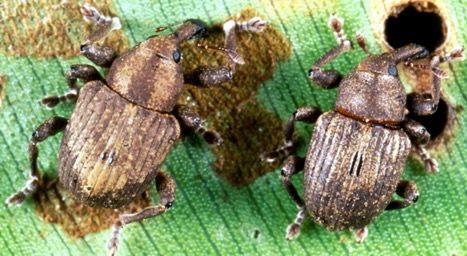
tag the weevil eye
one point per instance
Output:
(392, 70)
(177, 55)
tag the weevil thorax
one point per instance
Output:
(373, 92)
(149, 74)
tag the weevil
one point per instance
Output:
(124, 125)
(356, 154)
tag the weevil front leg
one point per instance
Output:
(306, 114)
(292, 166)
(191, 120)
(45, 130)
(78, 71)
(166, 189)
(408, 190)
(419, 137)
(211, 76)
(423, 105)
(101, 56)
(330, 78)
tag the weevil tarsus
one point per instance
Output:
(292, 166)
(166, 189)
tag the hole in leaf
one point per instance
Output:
(437, 122)
(256, 234)
(418, 23)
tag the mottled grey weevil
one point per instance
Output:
(125, 124)
(356, 155)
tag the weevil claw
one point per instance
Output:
(293, 230)
(361, 234)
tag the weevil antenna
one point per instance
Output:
(162, 28)
(233, 55)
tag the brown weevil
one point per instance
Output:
(356, 155)
(125, 124)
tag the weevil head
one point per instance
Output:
(149, 74)
(373, 92)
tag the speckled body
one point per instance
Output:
(357, 152)
(351, 170)
(113, 149)
(121, 130)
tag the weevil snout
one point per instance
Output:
(200, 28)
(191, 29)
(386, 63)
(408, 53)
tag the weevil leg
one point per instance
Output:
(416, 131)
(166, 189)
(431, 165)
(78, 71)
(419, 137)
(194, 122)
(408, 190)
(211, 76)
(101, 56)
(330, 78)
(292, 166)
(423, 105)
(45, 130)
(306, 114)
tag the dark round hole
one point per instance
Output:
(436, 123)
(422, 26)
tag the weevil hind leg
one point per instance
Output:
(408, 190)
(292, 166)
(166, 190)
(49, 128)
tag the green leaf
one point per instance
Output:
(210, 216)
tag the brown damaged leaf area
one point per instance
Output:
(53, 204)
(248, 129)
(50, 28)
